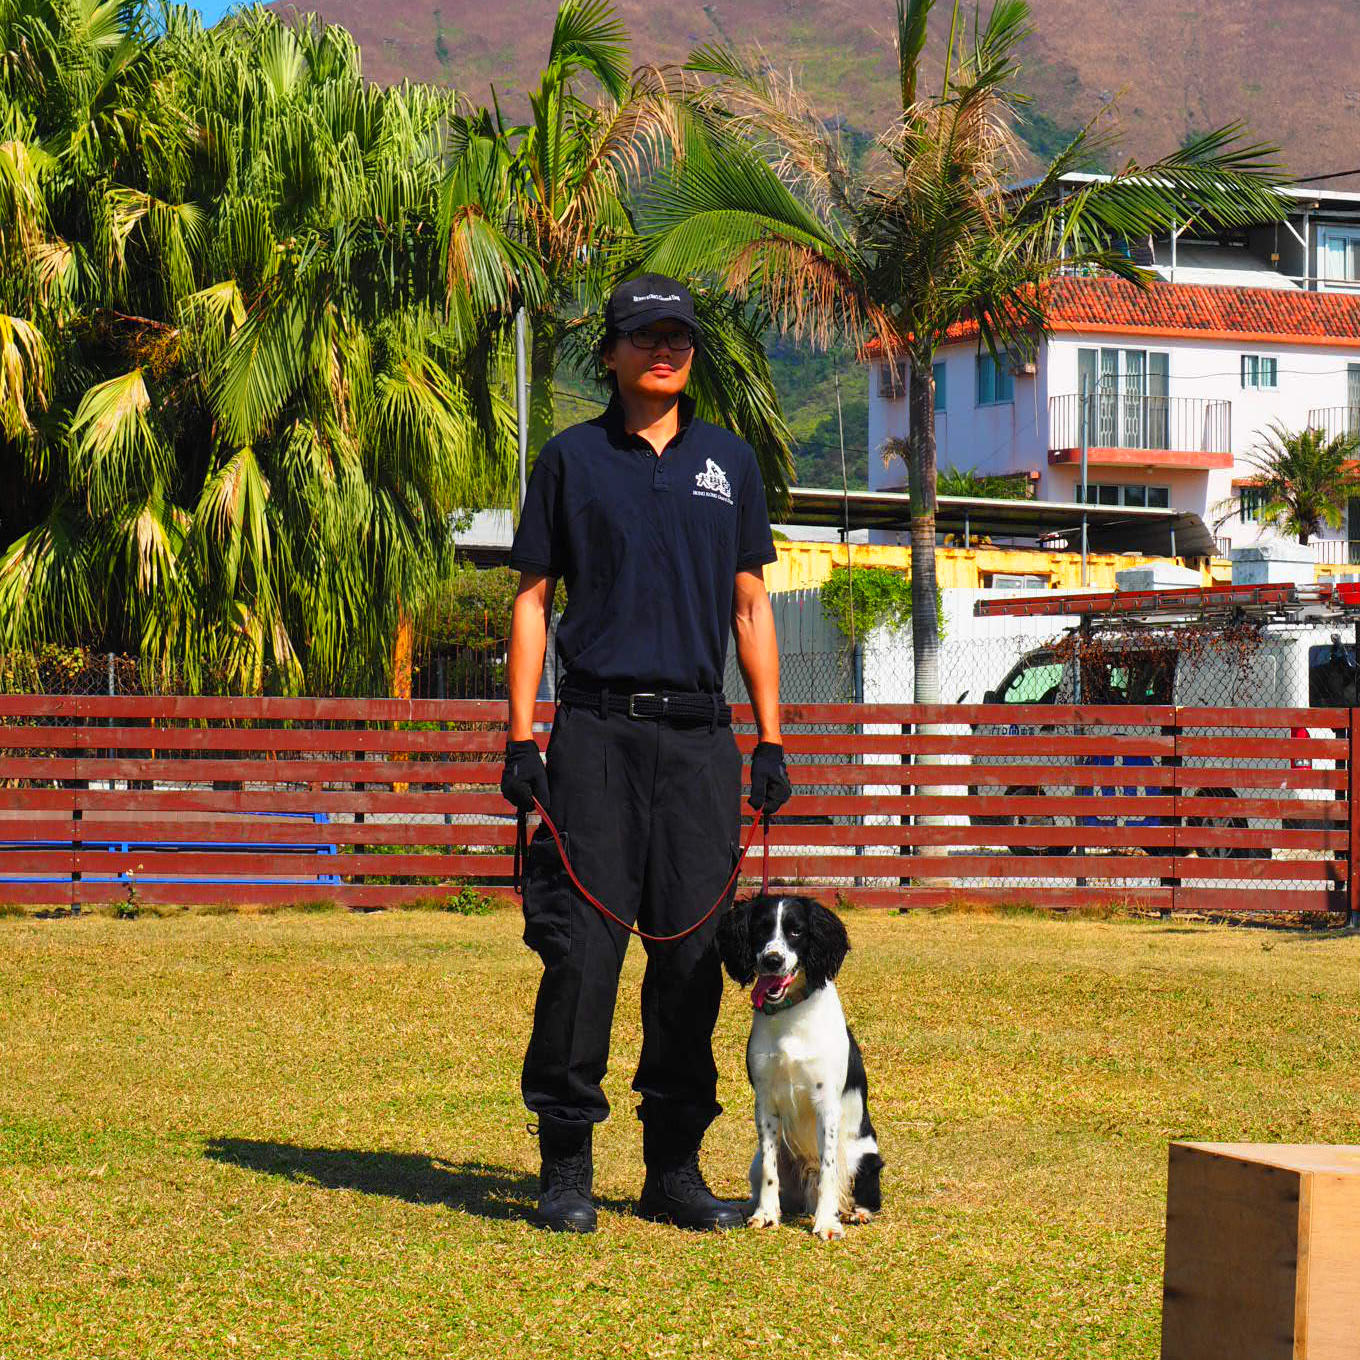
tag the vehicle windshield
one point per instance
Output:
(1032, 682)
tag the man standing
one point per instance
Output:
(656, 521)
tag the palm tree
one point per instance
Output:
(542, 216)
(234, 414)
(1302, 480)
(931, 233)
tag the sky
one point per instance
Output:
(212, 10)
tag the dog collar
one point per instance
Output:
(784, 1003)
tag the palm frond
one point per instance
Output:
(589, 35)
(114, 449)
(46, 589)
(911, 44)
(25, 375)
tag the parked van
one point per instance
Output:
(1289, 666)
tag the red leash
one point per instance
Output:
(599, 906)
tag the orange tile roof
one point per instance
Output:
(1223, 312)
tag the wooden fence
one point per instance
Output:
(375, 802)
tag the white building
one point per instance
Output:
(1241, 331)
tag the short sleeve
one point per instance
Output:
(755, 543)
(538, 545)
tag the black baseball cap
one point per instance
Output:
(648, 298)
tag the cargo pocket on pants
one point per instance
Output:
(547, 898)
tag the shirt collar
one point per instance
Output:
(620, 436)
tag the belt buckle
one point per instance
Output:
(644, 694)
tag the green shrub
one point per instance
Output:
(882, 598)
(473, 607)
(467, 901)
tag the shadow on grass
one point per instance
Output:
(497, 1192)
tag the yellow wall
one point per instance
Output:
(802, 566)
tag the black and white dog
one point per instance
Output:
(818, 1152)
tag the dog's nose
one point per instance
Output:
(771, 961)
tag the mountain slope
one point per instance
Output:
(1289, 70)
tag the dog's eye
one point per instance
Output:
(794, 932)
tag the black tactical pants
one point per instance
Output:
(650, 815)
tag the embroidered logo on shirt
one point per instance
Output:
(712, 482)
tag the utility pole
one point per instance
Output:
(1085, 490)
(521, 405)
(845, 501)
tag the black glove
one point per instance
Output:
(770, 786)
(524, 777)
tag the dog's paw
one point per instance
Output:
(763, 1218)
(828, 1230)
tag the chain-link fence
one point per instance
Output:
(73, 670)
(1006, 661)
(1306, 666)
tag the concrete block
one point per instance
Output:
(1277, 562)
(1156, 576)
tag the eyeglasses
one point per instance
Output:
(675, 341)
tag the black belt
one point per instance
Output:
(667, 705)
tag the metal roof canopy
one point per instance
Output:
(1301, 602)
(1110, 528)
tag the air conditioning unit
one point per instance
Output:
(1008, 580)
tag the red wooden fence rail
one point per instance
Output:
(371, 802)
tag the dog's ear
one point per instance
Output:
(827, 944)
(734, 943)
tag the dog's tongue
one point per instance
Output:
(765, 984)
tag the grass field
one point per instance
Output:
(300, 1136)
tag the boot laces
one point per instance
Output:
(687, 1180)
(568, 1172)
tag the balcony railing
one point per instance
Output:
(1120, 420)
(1335, 420)
(1336, 551)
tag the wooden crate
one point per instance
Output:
(1262, 1252)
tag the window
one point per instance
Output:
(1104, 493)
(1340, 252)
(1260, 370)
(937, 373)
(1128, 391)
(995, 383)
(1033, 682)
(1137, 678)
(1331, 675)
(892, 380)
(1250, 499)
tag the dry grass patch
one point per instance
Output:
(300, 1135)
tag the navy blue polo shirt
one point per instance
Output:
(649, 547)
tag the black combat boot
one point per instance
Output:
(564, 1183)
(674, 1190)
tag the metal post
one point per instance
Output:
(1085, 490)
(845, 495)
(856, 655)
(521, 405)
(1352, 812)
